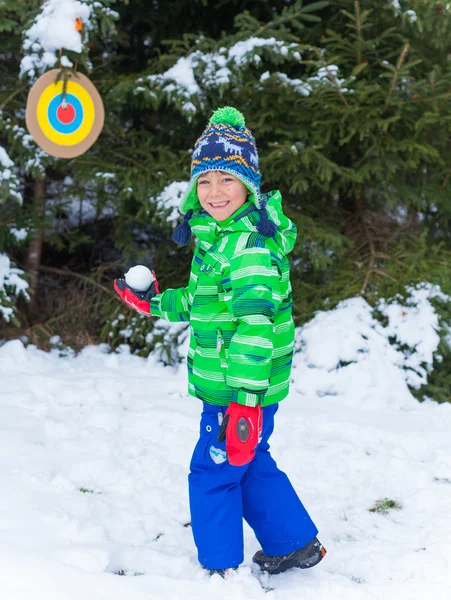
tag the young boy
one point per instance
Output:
(239, 303)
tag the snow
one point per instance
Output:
(5, 161)
(239, 52)
(19, 234)
(409, 13)
(37, 159)
(11, 283)
(53, 28)
(8, 178)
(182, 73)
(298, 85)
(105, 175)
(95, 449)
(180, 80)
(412, 15)
(168, 201)
(414, 323)
(189, 79)
(328, 75)
(71, 206)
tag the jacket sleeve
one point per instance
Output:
(252, 293)
(171, 305)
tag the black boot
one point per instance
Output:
(304, 558)
(221, 572)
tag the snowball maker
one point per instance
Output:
(139, 278)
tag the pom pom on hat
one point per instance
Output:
(228, 115)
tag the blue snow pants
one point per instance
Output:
(221, 495)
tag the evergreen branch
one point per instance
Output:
(379, 272)
(70, 273)
(445, 181)
(434, 100)
(395, 75)
(331, 75)
(276, 22)
(97, 164)
(38, 326)
(291, 16)
(359, 31)
(11, 96)
(402, 263)
(130, 160)
(43, 325)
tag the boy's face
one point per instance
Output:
(220, 194)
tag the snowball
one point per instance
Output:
(139, 278)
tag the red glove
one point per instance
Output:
(140, 301)
(241, 430)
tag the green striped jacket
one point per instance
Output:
(239, 304)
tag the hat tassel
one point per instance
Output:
(182, 233)
(266, 226)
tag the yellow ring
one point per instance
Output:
(66, 139)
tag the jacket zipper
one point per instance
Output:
(220, 349)
(219, 340)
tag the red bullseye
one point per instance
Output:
(65, 114)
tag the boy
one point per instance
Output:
(238, 302)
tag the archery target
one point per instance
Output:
(67, 127)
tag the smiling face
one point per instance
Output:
(220, 194)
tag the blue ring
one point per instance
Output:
(56, 123)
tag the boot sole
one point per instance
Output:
(292, 563)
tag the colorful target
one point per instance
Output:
(64, 126)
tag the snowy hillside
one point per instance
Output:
(94, 455)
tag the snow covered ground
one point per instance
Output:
(94, 455)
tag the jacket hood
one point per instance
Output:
(245, 220)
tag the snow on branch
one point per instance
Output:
(168, 201)
(9, 182)
(327, 76)
(11, 286)
(54, 29)
(33, 159)
(298, 85)
(216, 69)
(411, 14)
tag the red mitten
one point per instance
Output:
(241, 430)
(140, 301)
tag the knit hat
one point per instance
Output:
(225, 145)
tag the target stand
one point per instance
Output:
(64, 127)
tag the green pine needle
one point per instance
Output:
(383, 506)
(87, 491)
(228, 116)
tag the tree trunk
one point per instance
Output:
(34, 253)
